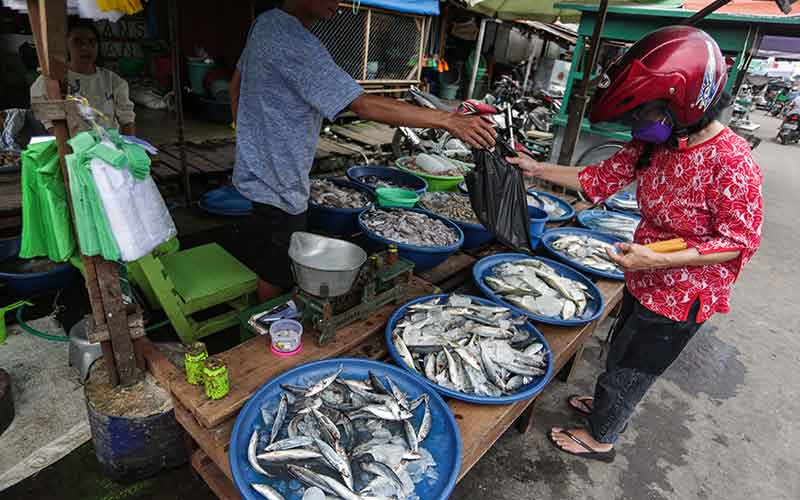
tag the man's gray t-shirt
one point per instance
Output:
(289, 83)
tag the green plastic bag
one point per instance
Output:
(46, 229)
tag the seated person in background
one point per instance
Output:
(106, 91)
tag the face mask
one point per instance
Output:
(652, 132)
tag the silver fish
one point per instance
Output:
(266, 491)
(425, 425)
(323, 384)
(384, 471)
(310, 478)
(411, 436)
(430, 366)
(338, 462)
(327, 424)
(402, 348)
(290, 444)
(288, 455)
(283, 406)
(410, 228)
(251, 454)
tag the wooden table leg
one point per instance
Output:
(525, 421)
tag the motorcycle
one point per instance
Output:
(790, 128)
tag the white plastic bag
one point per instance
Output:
(136, 212)
(433, 164)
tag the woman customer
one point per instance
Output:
(104, 89)
(697, 181)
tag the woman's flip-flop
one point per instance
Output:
(576, 399)
(591, 453)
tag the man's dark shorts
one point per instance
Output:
(269, 230)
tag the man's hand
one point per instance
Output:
(633, 257)
(529, 166)
(476, 131)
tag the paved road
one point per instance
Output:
(721, 423)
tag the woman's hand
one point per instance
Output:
(529, 166)
(633, 257)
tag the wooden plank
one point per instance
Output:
(157, 363)
(248, 370)
(214, 478)
(117, 321)
(217, 451)
(174, 162)
(364, 134)
(453, 265)
(330, 146)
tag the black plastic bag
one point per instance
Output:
(498, 197)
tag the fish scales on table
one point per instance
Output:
(534, 286)
(550, 206)
(616, 225)
(454, 206)
(588, 251)
(328, 194)
(351, 438)
(468, 347)
(411, 228)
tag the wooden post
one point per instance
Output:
(48, 20)
(174, 39)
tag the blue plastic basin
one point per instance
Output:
(226, 201)
(29, 284)
(424, 258)
(357, 172)
(570, 210)
(593, 308)
(524, 392)
(443, 442)
(475, 235)
(553, 234)
(338, 221)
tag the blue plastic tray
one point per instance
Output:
(611, 202)
(30, 284)
(525, 392)
(587, 218)
(355, 173)
(338, 221)
(566, 206)
(424, 258)
(553, 234)
(475, 235)
(593, 308)
(443, 442)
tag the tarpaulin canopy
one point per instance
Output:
(424, 7)
(543, 10)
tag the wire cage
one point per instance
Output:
(375, 46)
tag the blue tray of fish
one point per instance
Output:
(470, 372)
(592, 261)
(374, 414)
(505, 280)
(557, 209)
(624, 201)
(620, 224)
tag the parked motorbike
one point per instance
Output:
(790, 128)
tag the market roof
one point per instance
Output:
(552, 31)
(424, 7)
(543, 10)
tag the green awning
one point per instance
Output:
(543, 10)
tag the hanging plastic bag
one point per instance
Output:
(497, 193)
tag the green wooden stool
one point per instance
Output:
(194, 280)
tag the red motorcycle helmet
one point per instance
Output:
(680, 66)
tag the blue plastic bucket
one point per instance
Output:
(30, 284)
(538, 218)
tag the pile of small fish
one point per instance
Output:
(454, 206)
(532, 285)
(411, 228)
(352, 439)
(459, 169)
(328, 194)
(376, 181)
(614, 224)
(588, 251)
(551, 207)
(468, 347)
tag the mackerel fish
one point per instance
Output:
(534, 286)
(355, 439)
(550, 207)
(615, 225)
(588, 251)
(469, 347)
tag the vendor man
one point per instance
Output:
(284, 84)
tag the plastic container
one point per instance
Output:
(553, 234)
(594, 306)
(569, 209)
(396, 198)
(435, 182)
(286, 337)
(337, 221)
(226, 201)
(424, 258)
(357, 172)
(523, 392)
(538, 219)
(443, 441)
(29, 284)
(197, 70)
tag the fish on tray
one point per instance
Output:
(587, 251)
(534, 286)
(354, 439)
(328, 194)
(376, 181)
(411, 228)
(614, 224)
(469, 347)
(550, 206)
(453, 206)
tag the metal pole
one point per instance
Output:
(577, 105)
(708, 9)
(478, 49)
(528, 71)
(176, 87)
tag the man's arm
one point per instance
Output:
(128, 129)
(476, 131)
(234, 87)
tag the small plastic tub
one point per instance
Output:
(286, 337)
(538, 218)
(396, 198)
